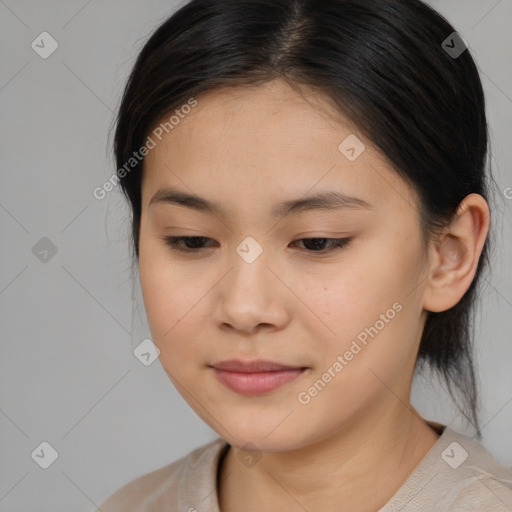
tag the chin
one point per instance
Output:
(262, 437)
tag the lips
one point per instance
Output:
(255, 377)
(252, 366)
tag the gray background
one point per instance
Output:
(69, 325)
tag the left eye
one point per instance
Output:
(197, 241)
(336, 243)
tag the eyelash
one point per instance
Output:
(173, 241)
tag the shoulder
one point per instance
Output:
(165, 483)
(458, 474)
(474, 480)
(484, 493)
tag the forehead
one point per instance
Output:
(254, 145)
(273, 114)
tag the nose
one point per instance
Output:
(251, 297)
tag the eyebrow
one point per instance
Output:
(328, 200)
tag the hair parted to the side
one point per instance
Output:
(382, 65)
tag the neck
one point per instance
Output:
(372, 458)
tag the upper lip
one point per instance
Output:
(234, 365)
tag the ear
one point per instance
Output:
(455, 256)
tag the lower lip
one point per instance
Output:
(258, 382)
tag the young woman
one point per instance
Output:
(310, 223)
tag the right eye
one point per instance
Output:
(194, 241)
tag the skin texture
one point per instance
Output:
(248, 148)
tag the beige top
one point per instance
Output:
(457, 475)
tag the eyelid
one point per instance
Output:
(338, 244)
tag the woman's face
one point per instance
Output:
(349, 319)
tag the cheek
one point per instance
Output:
(371, 305)
(169, 303)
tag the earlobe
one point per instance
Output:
(456, 255)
